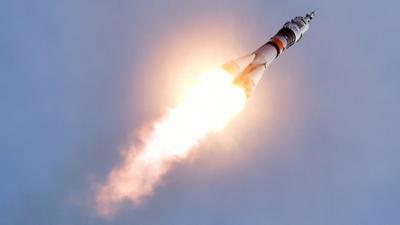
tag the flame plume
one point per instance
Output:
(205, 108)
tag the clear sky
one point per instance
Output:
(318, 143)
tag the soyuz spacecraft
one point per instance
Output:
(250, 68)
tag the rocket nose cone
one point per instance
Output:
(313, 13)
(310, 16)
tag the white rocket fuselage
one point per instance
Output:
(250, 68)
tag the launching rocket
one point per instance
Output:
(250, 68)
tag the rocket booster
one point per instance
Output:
(250, 68)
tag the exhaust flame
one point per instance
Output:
(205, 108)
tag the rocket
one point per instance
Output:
(250, 68)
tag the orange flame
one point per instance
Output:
(206, 107)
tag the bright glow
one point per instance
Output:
(205, 107)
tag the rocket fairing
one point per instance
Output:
(250, 68)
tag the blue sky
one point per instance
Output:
(318, 143)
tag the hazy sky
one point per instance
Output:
(318, 143)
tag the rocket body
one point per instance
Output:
(250, 68)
